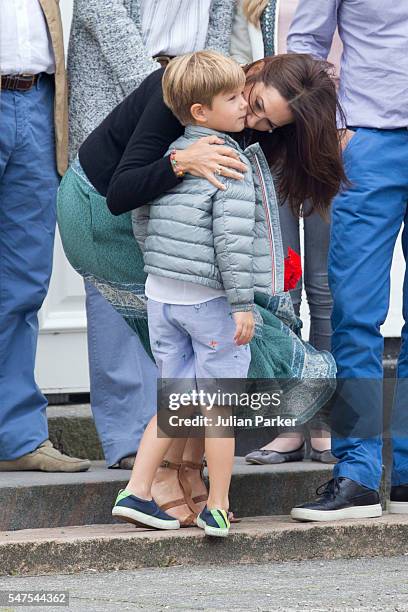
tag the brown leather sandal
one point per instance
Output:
(187, 488)
(189, 521)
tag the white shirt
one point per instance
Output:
(173, 291)
(174, 27)
(25, 44)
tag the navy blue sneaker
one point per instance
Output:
(214, 522)
(132, 509)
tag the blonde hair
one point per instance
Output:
(253, 10)
(195, 78)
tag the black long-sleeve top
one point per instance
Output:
(123, 156)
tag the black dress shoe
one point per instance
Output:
(340, 498)
(398, 503)
(269, 457)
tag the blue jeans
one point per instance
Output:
(316, 245)
(28, 187)
(366, 221)
(123, 379)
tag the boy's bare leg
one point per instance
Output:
(219, 452)
(220, 460)
(149, 456)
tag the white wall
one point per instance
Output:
(66, 13)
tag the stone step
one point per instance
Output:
(72, 429)
(33, 500)
(254, 540)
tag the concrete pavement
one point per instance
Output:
(357, 585)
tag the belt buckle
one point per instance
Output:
(32, 77)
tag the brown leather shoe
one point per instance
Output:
(45, 458)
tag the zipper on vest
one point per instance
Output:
(268, 219)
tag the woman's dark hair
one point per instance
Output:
(305, 156)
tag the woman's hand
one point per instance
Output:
(205, 160)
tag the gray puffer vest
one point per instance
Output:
(223, 239)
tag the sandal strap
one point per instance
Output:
(200, 498)
(173, 504)
(194, 466)
(186, 485)
(189, 521)
(170, 465)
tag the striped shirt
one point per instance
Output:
(174, 27)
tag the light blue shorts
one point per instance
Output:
(196, 341)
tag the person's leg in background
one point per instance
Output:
(289, 445)
(28, 188)
(316, 245)
(123, 381)
(317, 239)
(365, 224)
(366, 219)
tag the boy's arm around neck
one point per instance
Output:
(233, 230)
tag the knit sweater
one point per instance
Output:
(107, 59)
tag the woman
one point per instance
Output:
(260, 28)
(121, 167)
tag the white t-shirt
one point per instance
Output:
(172, 291)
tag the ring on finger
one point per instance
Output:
(218, 170)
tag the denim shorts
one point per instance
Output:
(196, 341)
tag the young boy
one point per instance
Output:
(199, 254)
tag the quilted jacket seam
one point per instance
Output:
(226, 251)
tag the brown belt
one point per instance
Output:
(163, 59)
(18, 82)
